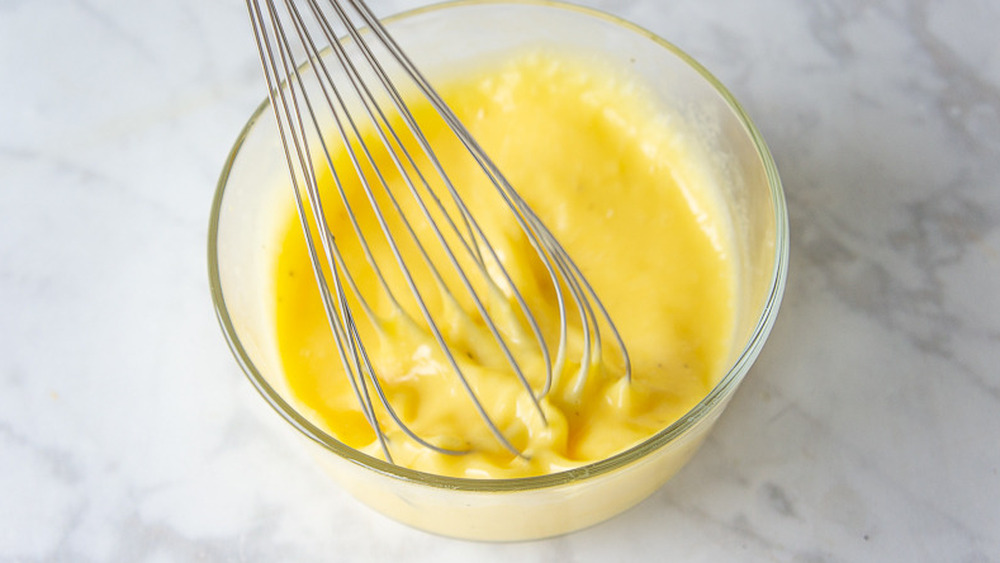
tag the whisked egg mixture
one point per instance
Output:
(628, 199)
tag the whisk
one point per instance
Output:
(333, 72)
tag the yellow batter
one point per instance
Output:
(625, 197)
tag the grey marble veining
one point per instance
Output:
(869, 429)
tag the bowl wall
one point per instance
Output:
(444, 40)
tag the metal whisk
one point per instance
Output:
(327, 67)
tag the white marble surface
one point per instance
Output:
(868, 430)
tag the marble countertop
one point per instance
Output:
(869, 429)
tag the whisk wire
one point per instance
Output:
(277, 98)
(370, 105)
(357, 349)
(344, 329)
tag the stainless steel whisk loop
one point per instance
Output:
(325, 65)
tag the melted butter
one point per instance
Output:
(621, 192)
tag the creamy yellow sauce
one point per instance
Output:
(622, 192)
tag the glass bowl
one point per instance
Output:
(243, 243)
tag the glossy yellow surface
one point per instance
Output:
(622, 193)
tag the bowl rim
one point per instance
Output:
(719, 393)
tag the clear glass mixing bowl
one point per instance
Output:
(441, 39)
